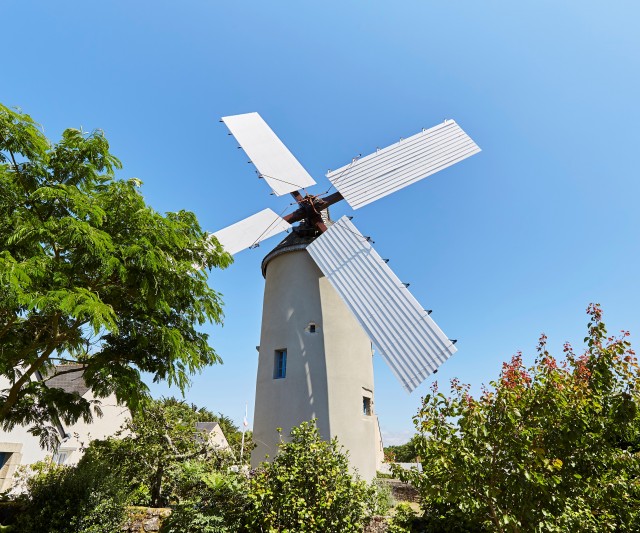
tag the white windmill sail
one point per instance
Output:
(403, 332)
(372, 177)
(275, 163)
(250, 231)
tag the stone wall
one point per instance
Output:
(145, 520)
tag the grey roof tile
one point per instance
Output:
(68, 378)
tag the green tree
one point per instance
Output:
(308, 488)
(553, 447)
(152, 448)
(89, 273)
(402, 453)
(231, 431)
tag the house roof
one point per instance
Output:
(206, 426)
(68, 378)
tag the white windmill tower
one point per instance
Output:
(329, 296)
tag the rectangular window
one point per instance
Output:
(366, 406)
(60, 458)
(280, 364)
(4, 457)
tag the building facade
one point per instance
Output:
(19, 447)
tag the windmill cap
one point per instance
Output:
(295, 241)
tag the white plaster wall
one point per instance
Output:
(217, 438)
(350, 377)
(326, 371)
(31, 451)
(81, 433)
(379, 447)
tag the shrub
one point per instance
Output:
(210, 501)
(308, 488)
(553, 447)
(383, 498)
(78, 499)
(402, 520)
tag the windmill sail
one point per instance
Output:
(275, 163)
(372, 177)
(251, 231)
(405, 335)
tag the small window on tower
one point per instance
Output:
(312, 328)
(280, 364)
(366, 406)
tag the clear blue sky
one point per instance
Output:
(508, 244)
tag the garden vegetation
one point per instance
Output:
(553, 447)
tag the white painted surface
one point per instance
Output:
(251, 231)
(217, 439)
(372, 177)
(275, 163)
(327, 371)
(214, 436)
(80, 435)
(405, 335)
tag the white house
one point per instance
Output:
(19, 447)
(212, 432)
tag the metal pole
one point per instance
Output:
(245, 423)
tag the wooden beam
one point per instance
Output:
(296, 216)
(297, 196)
(331, 199)
(310, 209)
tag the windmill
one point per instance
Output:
(329, 297)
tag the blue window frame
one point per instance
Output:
(280, 364)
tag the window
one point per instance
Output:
(4, 457)
(60, 457)
(312, 328)
(280, 364)
(366, 406)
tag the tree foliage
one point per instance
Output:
(89, 273)
(402, 453)
(152, 449)
(553, 447)
(231, 431)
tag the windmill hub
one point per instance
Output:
(311, 208)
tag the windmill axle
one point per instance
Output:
(310, 209)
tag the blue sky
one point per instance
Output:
(508, 244)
